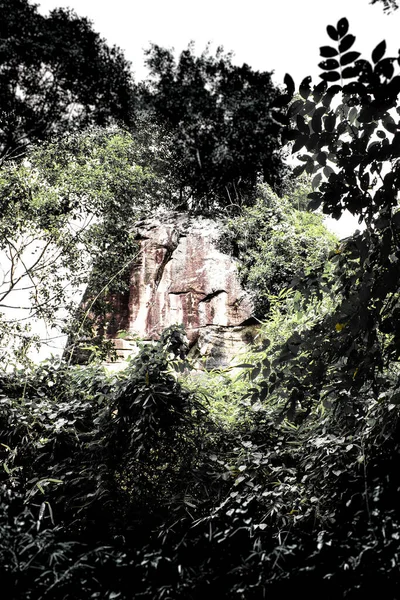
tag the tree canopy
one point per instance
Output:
(223, 135)
(56, 74)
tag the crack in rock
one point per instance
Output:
(209, 297)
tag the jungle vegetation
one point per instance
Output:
(281, 479)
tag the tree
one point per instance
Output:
(224, 137)
(352, 151)
(56, 74)
(277, 244)
(66, 213)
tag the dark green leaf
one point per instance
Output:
(349, 57)
(333, 34)
(304, 88)
(346, 43)
(316, 181)
(319, 91)
(364, 70)
(310, 167)
(329, 122)
(299, 143)
(342, 127)
(295, 108)
(381, 134)
(327, 99)
(304, 157)
(354, 87)
(309, 108)
(316, 122)
(329, 64)
(342, 27)
(312, 142)
(280, 117)
(385, 67)
(364, 183)
(379, 52)
(315, 202)
(328, 52)
(321, 158)
(328, 171)
(349, 72)
(288, 81)
(390, 126)
(291, 134)
(302, 125)
(330, 76)
(299, 170)
(280, 101)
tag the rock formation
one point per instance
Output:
(181, 277)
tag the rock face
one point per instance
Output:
(181, 277)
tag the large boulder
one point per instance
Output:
(181, 276)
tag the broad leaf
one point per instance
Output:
(295, 108)
(349, 58)
(330, 76)
(342, 27)
(346, 43)
(328, 51)
(329, 64)
(299, 143)
(304, 88)
(333, 34)
(385, 67)
(379, 52)
(288, 81)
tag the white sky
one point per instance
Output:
(279, 35)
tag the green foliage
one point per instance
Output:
(282, 481)
(277, 244)
(223, 136)
(66, 215)
(56, 75)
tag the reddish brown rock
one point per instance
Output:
(181, 277)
